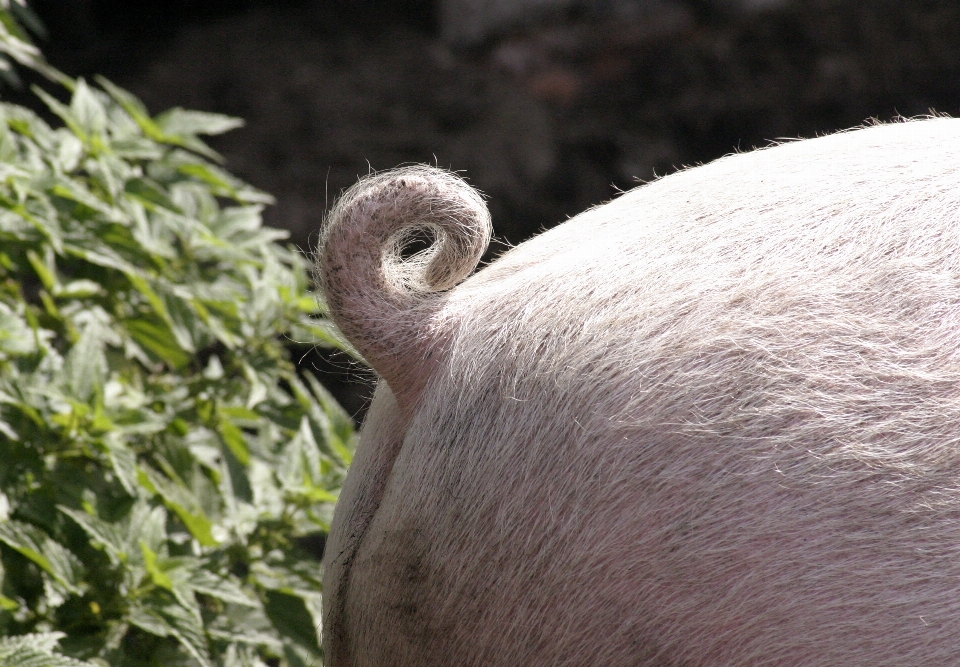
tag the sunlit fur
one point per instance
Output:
(713, 422)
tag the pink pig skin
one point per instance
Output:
(714, 422)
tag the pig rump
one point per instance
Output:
(713, 422)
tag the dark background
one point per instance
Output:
(547, 118)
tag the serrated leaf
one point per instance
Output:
(85, 367)
(69, 151)
(157, 575)
(141, 284)
(244, 636)
(147, 621)
(150, 195)
(124, 462)
(179, 122)
(44, 642)
(133, 106)
(148, 525)
(333, 422)
(197, 523)
(340, 419)
(204, 581)
(189, 631)
(48, 554)
(233, 438)
(16, 336)
(35, 650)
(55, 594)
(184, 322)
(77, 192)
(236, 221)
(158, 339)
(88, 110)
(295, 577)
(250, 622)
(65, 113)
(101, 255)
(217, 179)
(298, 655)
(45, 223)
(182, 503)
(238, 480)
(136, 148)
(172, 620)
(105, 534)
(311, 453)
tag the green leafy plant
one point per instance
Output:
(159, 453)
(16, 45)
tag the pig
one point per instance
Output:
(715, 421)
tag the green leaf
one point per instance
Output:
(180, 122)
(85, 368)
(78, 289)
(311, 453)
(181, 502)
(147, 621)
(325, 334)
(185, 323)
(172, 620)
(44, 642)
(217, 179)
(35, 650)
(291, 617)
(233, 438)
(204, 581)
(316, 494)
(100, 255)
(157, 575)
(148, 525)
(338, 428)
(65, 112)
(105, 534)
(44, 269)
(124, 462)
(88, 110)
(133, 106)
(48, 554)
(237, 221)
(159, 339)
(69, 152)
(76, 191)
(16, 336)
(246, 625)
(189, 632)
(150, 195)
(140, 283)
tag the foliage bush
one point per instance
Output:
(159, 454)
